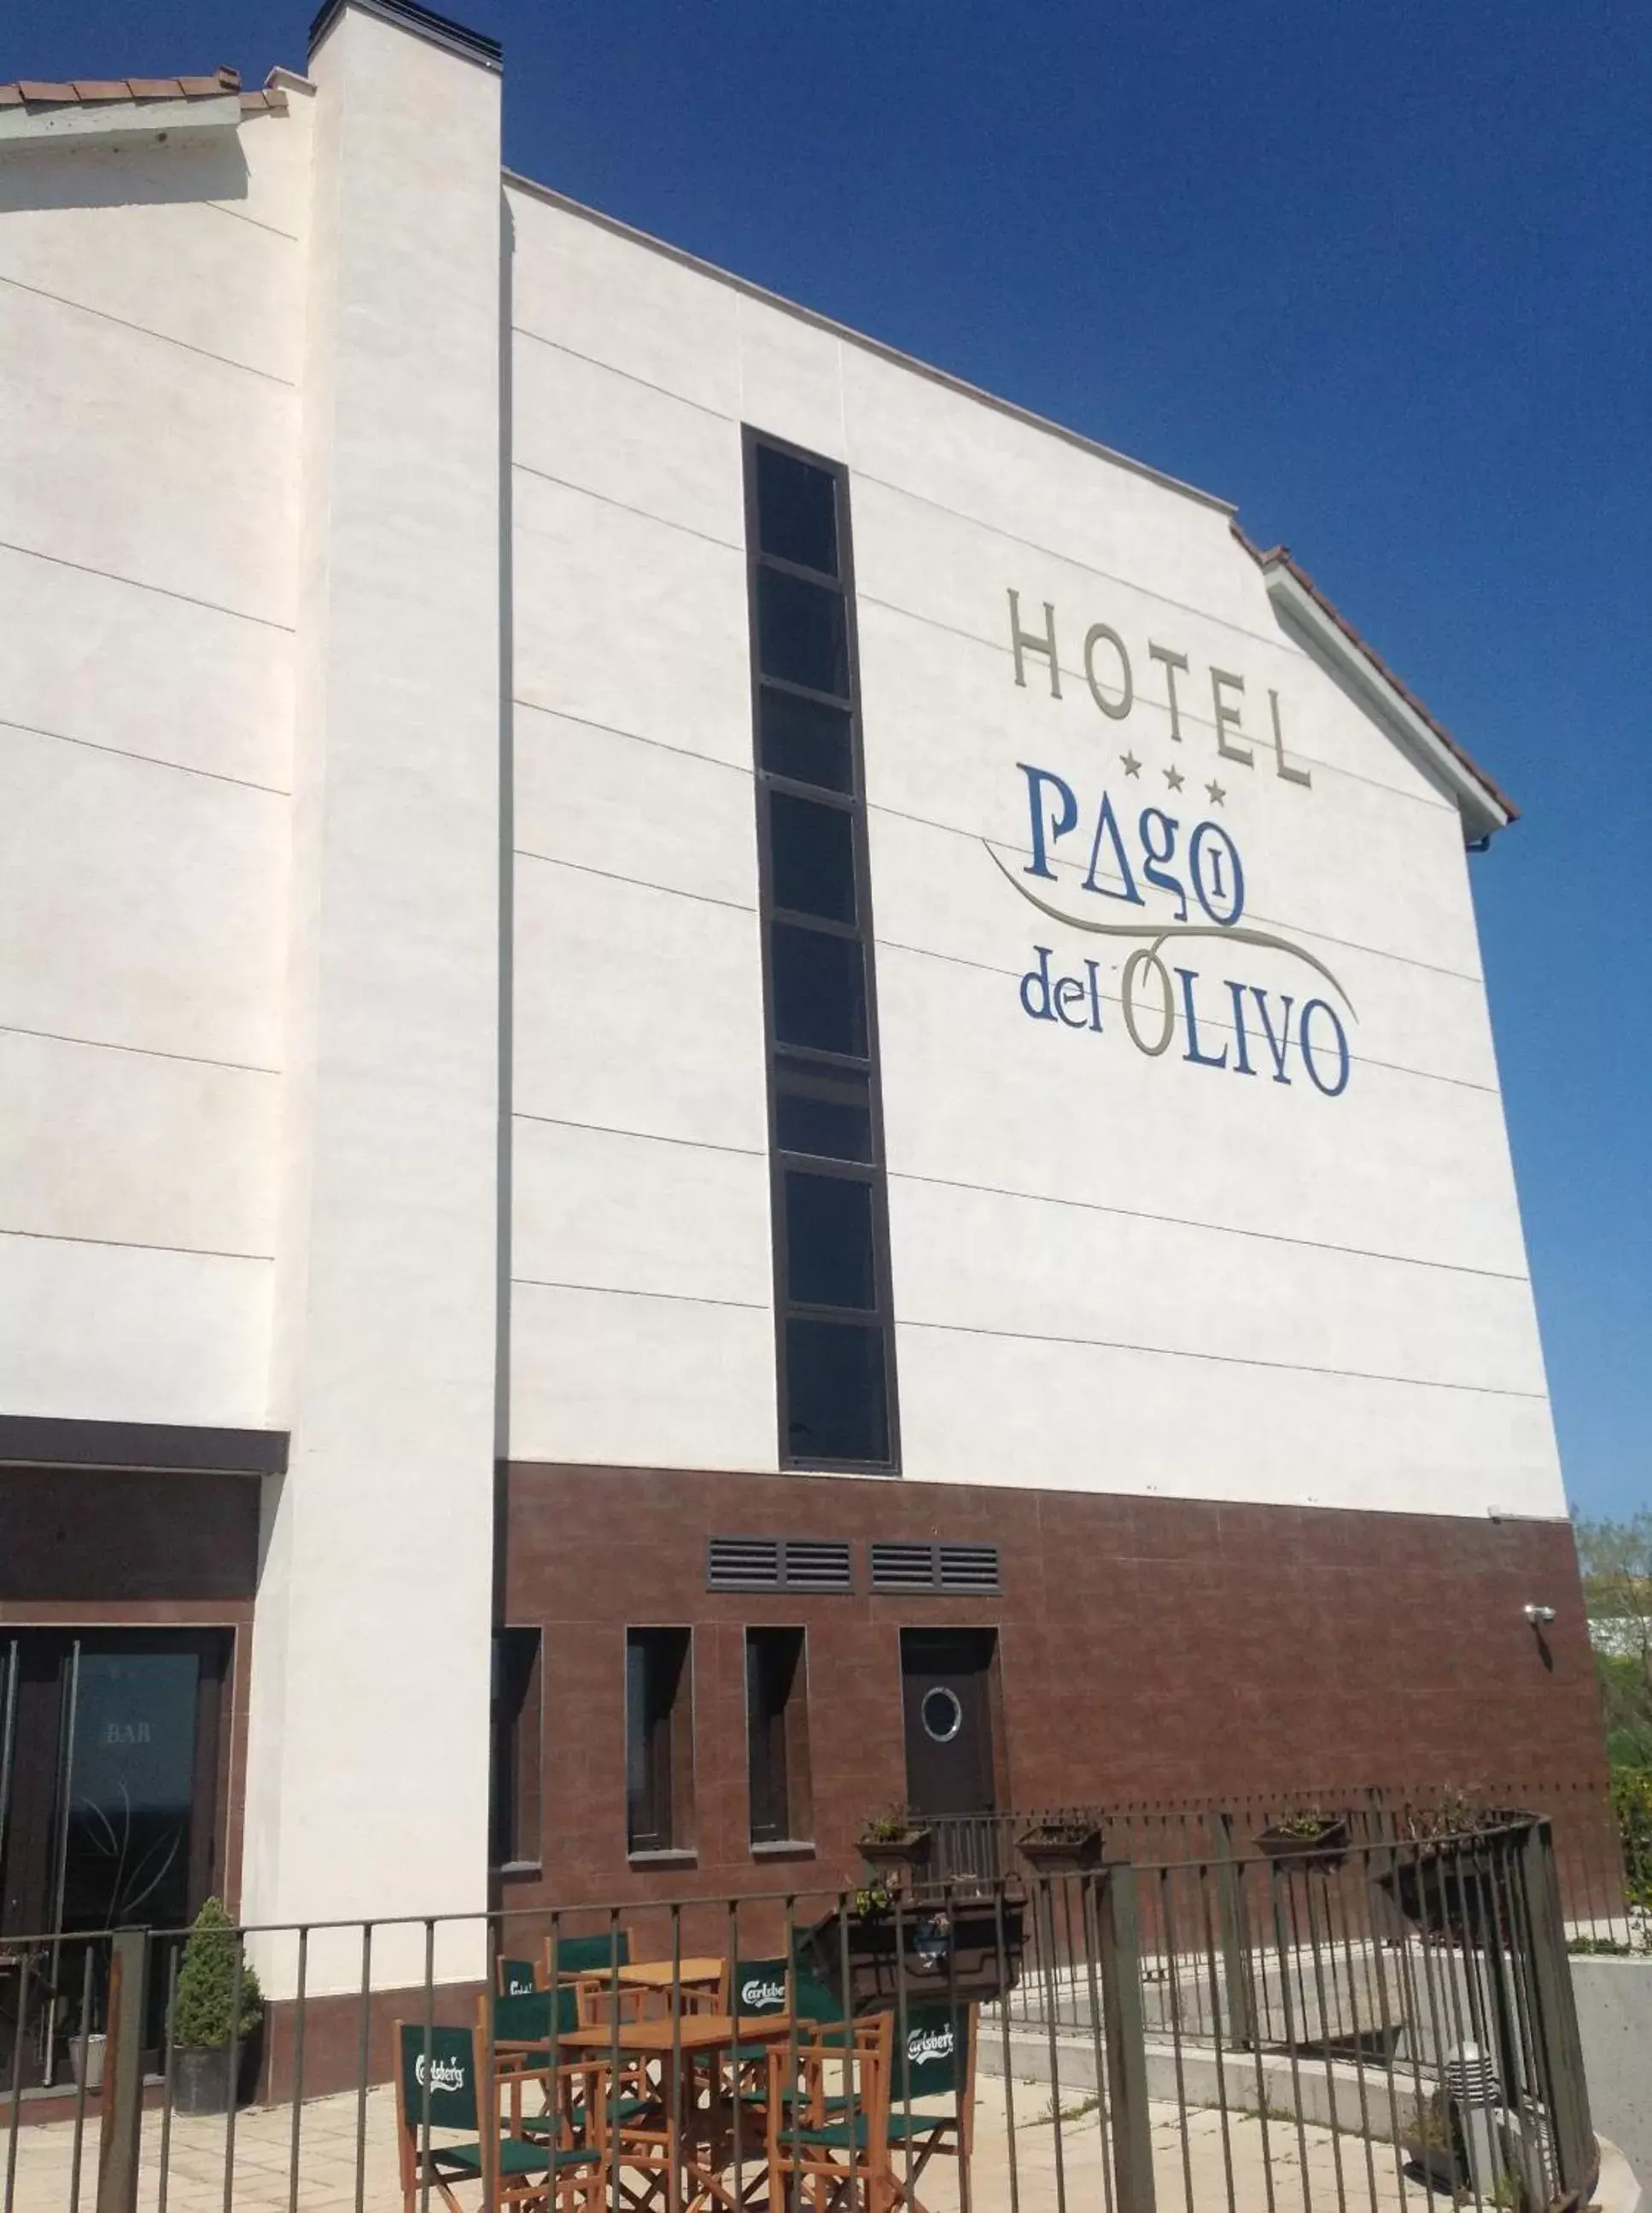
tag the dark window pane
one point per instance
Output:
(801, 634)
(819, 990)
(812, 849)
(806, 740)
(835, 1396)
(829, 1242)
(773, 1700)
(796, 511)
(834, 1130)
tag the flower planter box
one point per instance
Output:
(935, 1954)
(1323, 1848)
(1450, 1888)
(891, 1856)
(1061, 1851)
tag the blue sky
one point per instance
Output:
(1380, 275)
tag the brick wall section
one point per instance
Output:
(1148, 1649)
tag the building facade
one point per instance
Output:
(736, 1087)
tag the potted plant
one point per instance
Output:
(1429, 2141)
(1061, 1843)
(1309, 1838)
(893, 1840)
(205, 2025)
(1448, 1858)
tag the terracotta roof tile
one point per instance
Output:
(1279, 557)
(87, 90)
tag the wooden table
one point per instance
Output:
(698, 2127)
(665, 1975)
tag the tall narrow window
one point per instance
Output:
(516, 1720)
(659, 1741)
(776, 1736)
(835, 1328)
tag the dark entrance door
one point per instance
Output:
(108, 1801)
(949, 1714)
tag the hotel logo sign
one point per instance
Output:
(1186, 881)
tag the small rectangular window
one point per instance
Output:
(659, 1740)
(802, 636)
(777, 1735)
(836, 1405)
(829, 1250)
(819, 990)
(798, 507)
(806, 740)
(517, 1711)
(811, 857)
(831, 1129)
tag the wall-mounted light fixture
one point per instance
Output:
(1538, 1615)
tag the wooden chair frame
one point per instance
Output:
(562, 2182)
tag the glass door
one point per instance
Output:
(111, 1819)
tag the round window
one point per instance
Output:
(941, 1714)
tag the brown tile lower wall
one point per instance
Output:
(1148, 1649)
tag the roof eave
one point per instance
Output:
(1484, 806)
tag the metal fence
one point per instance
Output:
(1356, 2024)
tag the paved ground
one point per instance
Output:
(1209, 2169)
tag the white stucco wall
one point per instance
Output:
(150, 325)
(1110, 1270)
(223, 1014)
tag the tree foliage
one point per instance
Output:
(1616, 1559)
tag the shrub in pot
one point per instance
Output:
(893, 1840)
(206, 2028)
(1062, 1843)
(1306, 1838)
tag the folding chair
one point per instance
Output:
(441, 2091)
(935, 2060)
(514, 1978)
(828, 2118)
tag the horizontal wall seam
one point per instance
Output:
(1192, 717)
(1218, 1229)
(1221, 1359)
(636, 883)
(878, 348)
(1210, 1022)
(144, 330)
(624, 507)
(974, 837)
(147, 1051)
(222, 207)
(630, 1291)
(133, 1245)
(149, 760)
(138, 584)
(642, 1137)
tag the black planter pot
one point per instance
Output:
(200, 2075)
(1451, 1889)
(1050, 1852)
(951, 1952)
(1324, 1850)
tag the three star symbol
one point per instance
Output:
(1133, 766)
(1175, 779)
(1217, 794)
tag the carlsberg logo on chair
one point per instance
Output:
(924, 2045)
(442, 2074)
(763, 1993)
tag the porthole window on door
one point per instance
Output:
(942, 1714)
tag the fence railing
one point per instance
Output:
(1356, 2024)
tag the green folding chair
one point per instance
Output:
(443, 2093)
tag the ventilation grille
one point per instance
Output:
(779, 1563)
(959, 1567)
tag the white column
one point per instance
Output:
(367, 1791)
